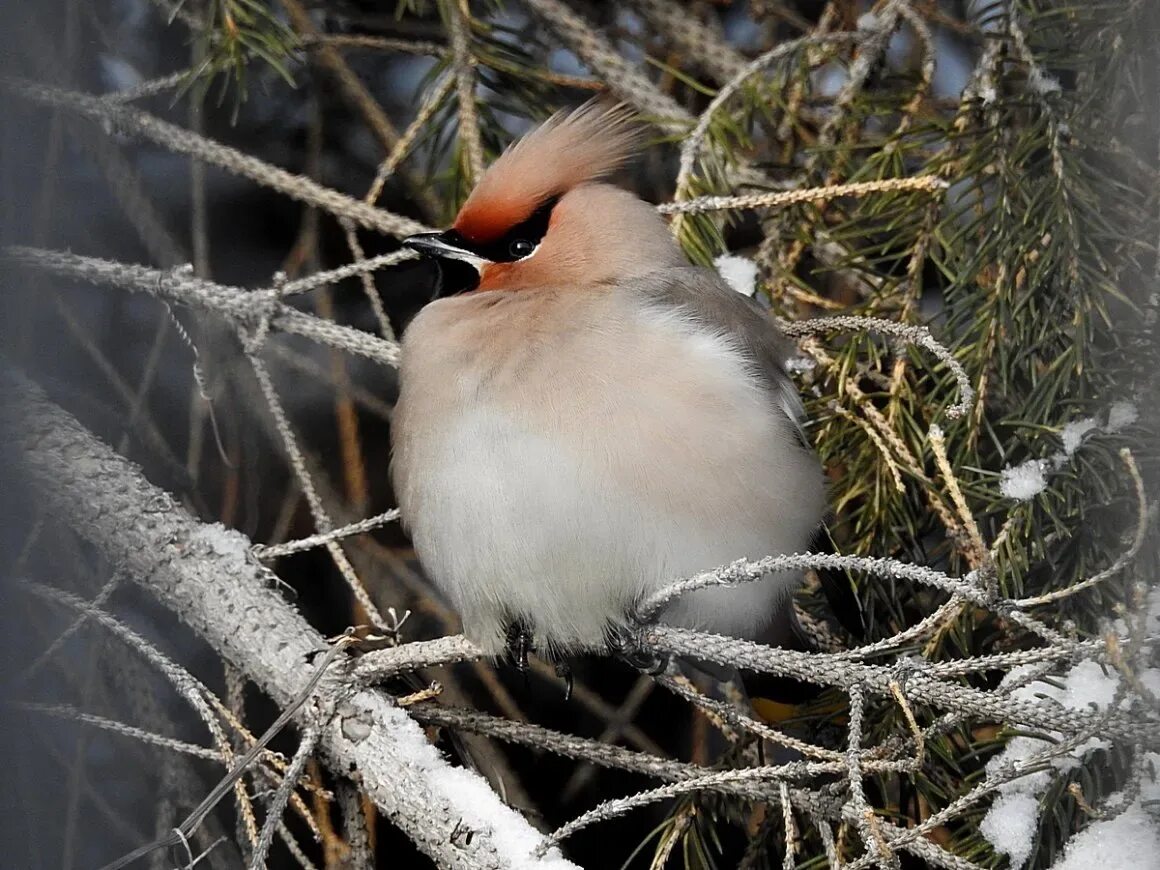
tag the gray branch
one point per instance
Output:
(252, 311)
(835, 670)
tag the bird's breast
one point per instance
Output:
(586, 448)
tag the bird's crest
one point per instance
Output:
(567, 150)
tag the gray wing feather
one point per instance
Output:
(708, 299)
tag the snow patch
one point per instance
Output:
(1072, 433)
(1121, 414)
(224, 541)
(1042, 83)
(1088, 686)
(468, 795)
(1012, 822)
(1024, 482)
(800, 364)
(1131, 839)
(740, 273)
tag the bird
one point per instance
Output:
(584, 416)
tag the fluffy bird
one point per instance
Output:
(591, 417)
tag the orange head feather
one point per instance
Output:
(541, 217)
(568, 150)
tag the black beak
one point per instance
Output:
(445, 246)
(457, 267)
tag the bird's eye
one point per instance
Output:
(520, 248)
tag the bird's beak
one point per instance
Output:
(458, 269)
(442, 246)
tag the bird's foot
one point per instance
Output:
(520, 645)
(624, 642)
(564, 670)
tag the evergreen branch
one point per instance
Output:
(378, 43)
(622, 78)
(695, 140)
(1125, 559)
(361, 99)
(458, 18)
(65, 711)
(431, 104)
(701, 43)
(917, 335)
(149, 88)
(817, 668)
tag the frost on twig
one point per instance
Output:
(223, 581)
(1122, 829)
(917, 335)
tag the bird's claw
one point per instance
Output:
(625, 643)
(564, 670)
(520, 645)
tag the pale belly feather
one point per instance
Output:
(560, 482)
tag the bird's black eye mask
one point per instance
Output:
(460, 260)
(516, 244)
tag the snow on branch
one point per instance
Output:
(213, 578)
(838, 671)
